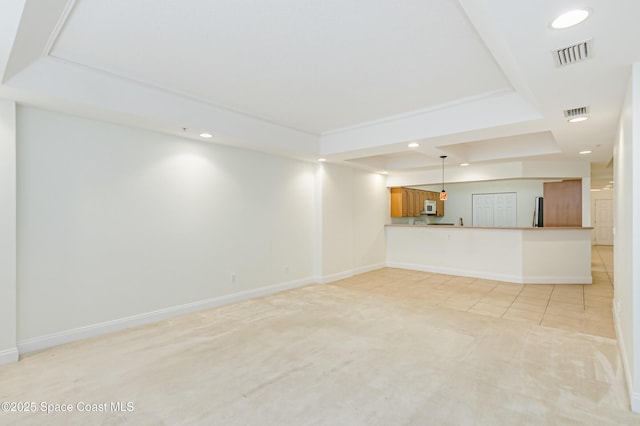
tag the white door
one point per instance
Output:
(482, 209)
(604, 222)
(494, 209)
(505, 210)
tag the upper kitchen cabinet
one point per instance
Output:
(408, 202)
(563, 203)
(404, 202)
(439, 205)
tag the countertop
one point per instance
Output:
(546, 228)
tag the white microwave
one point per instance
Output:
(429, 207)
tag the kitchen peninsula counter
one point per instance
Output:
(547, 255)
(547, 228)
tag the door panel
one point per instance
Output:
(505, 210)
(604, 222)
(563, 203)
(495, 209)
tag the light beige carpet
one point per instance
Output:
(328, 355)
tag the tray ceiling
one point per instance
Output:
(312, 66)
(351, 81)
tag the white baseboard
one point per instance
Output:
(586, 279)
(493, 276)
(55, 339)
(458, 272)
(346, 274)
(68, 336)
(634, 397)
(9, 356)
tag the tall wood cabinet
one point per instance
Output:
(563, 203)
(409, 202)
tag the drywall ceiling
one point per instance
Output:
(352, 81)
(313, 66)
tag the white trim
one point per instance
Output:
(458, 272)
(634, 397)
(55, 339)
(422, 111)
(336, 277)
(9, 356)
(518, 279)
(174, 92)
(557, 280)
(346, 274)
(57, 29)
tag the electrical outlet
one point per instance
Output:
(233, 278)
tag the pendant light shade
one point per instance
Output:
(443, 194)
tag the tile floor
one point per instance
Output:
(574, 307)
(370, 350)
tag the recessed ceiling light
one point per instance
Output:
(606, 188)
(464, 164)
(585, 152)
(569, 19)
(206, 135)
(595, 190)
(383, 172)
(578, 119)
(413, 145)
(610, 181)
(322, 160)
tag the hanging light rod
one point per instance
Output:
(443, 194)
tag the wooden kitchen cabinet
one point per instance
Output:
(439, 206)
(403, 202)
(411, 197)
(409, 194)
(409, 202)
(419, 201)
(399, 202)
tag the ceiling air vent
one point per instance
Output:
(572, 54)
(575, 112)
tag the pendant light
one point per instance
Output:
(443, 194)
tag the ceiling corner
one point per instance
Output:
(38, 26)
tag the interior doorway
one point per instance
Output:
(603, 225)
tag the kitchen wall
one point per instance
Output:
(115, 223)
(460, 196)
(627, 237)
(8, 348)
(506, 171)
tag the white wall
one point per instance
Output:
(8, 350)
(472, 252)
(371, 206)
(460, 195)
(627, 237)
(355, 207)
(115, 222)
